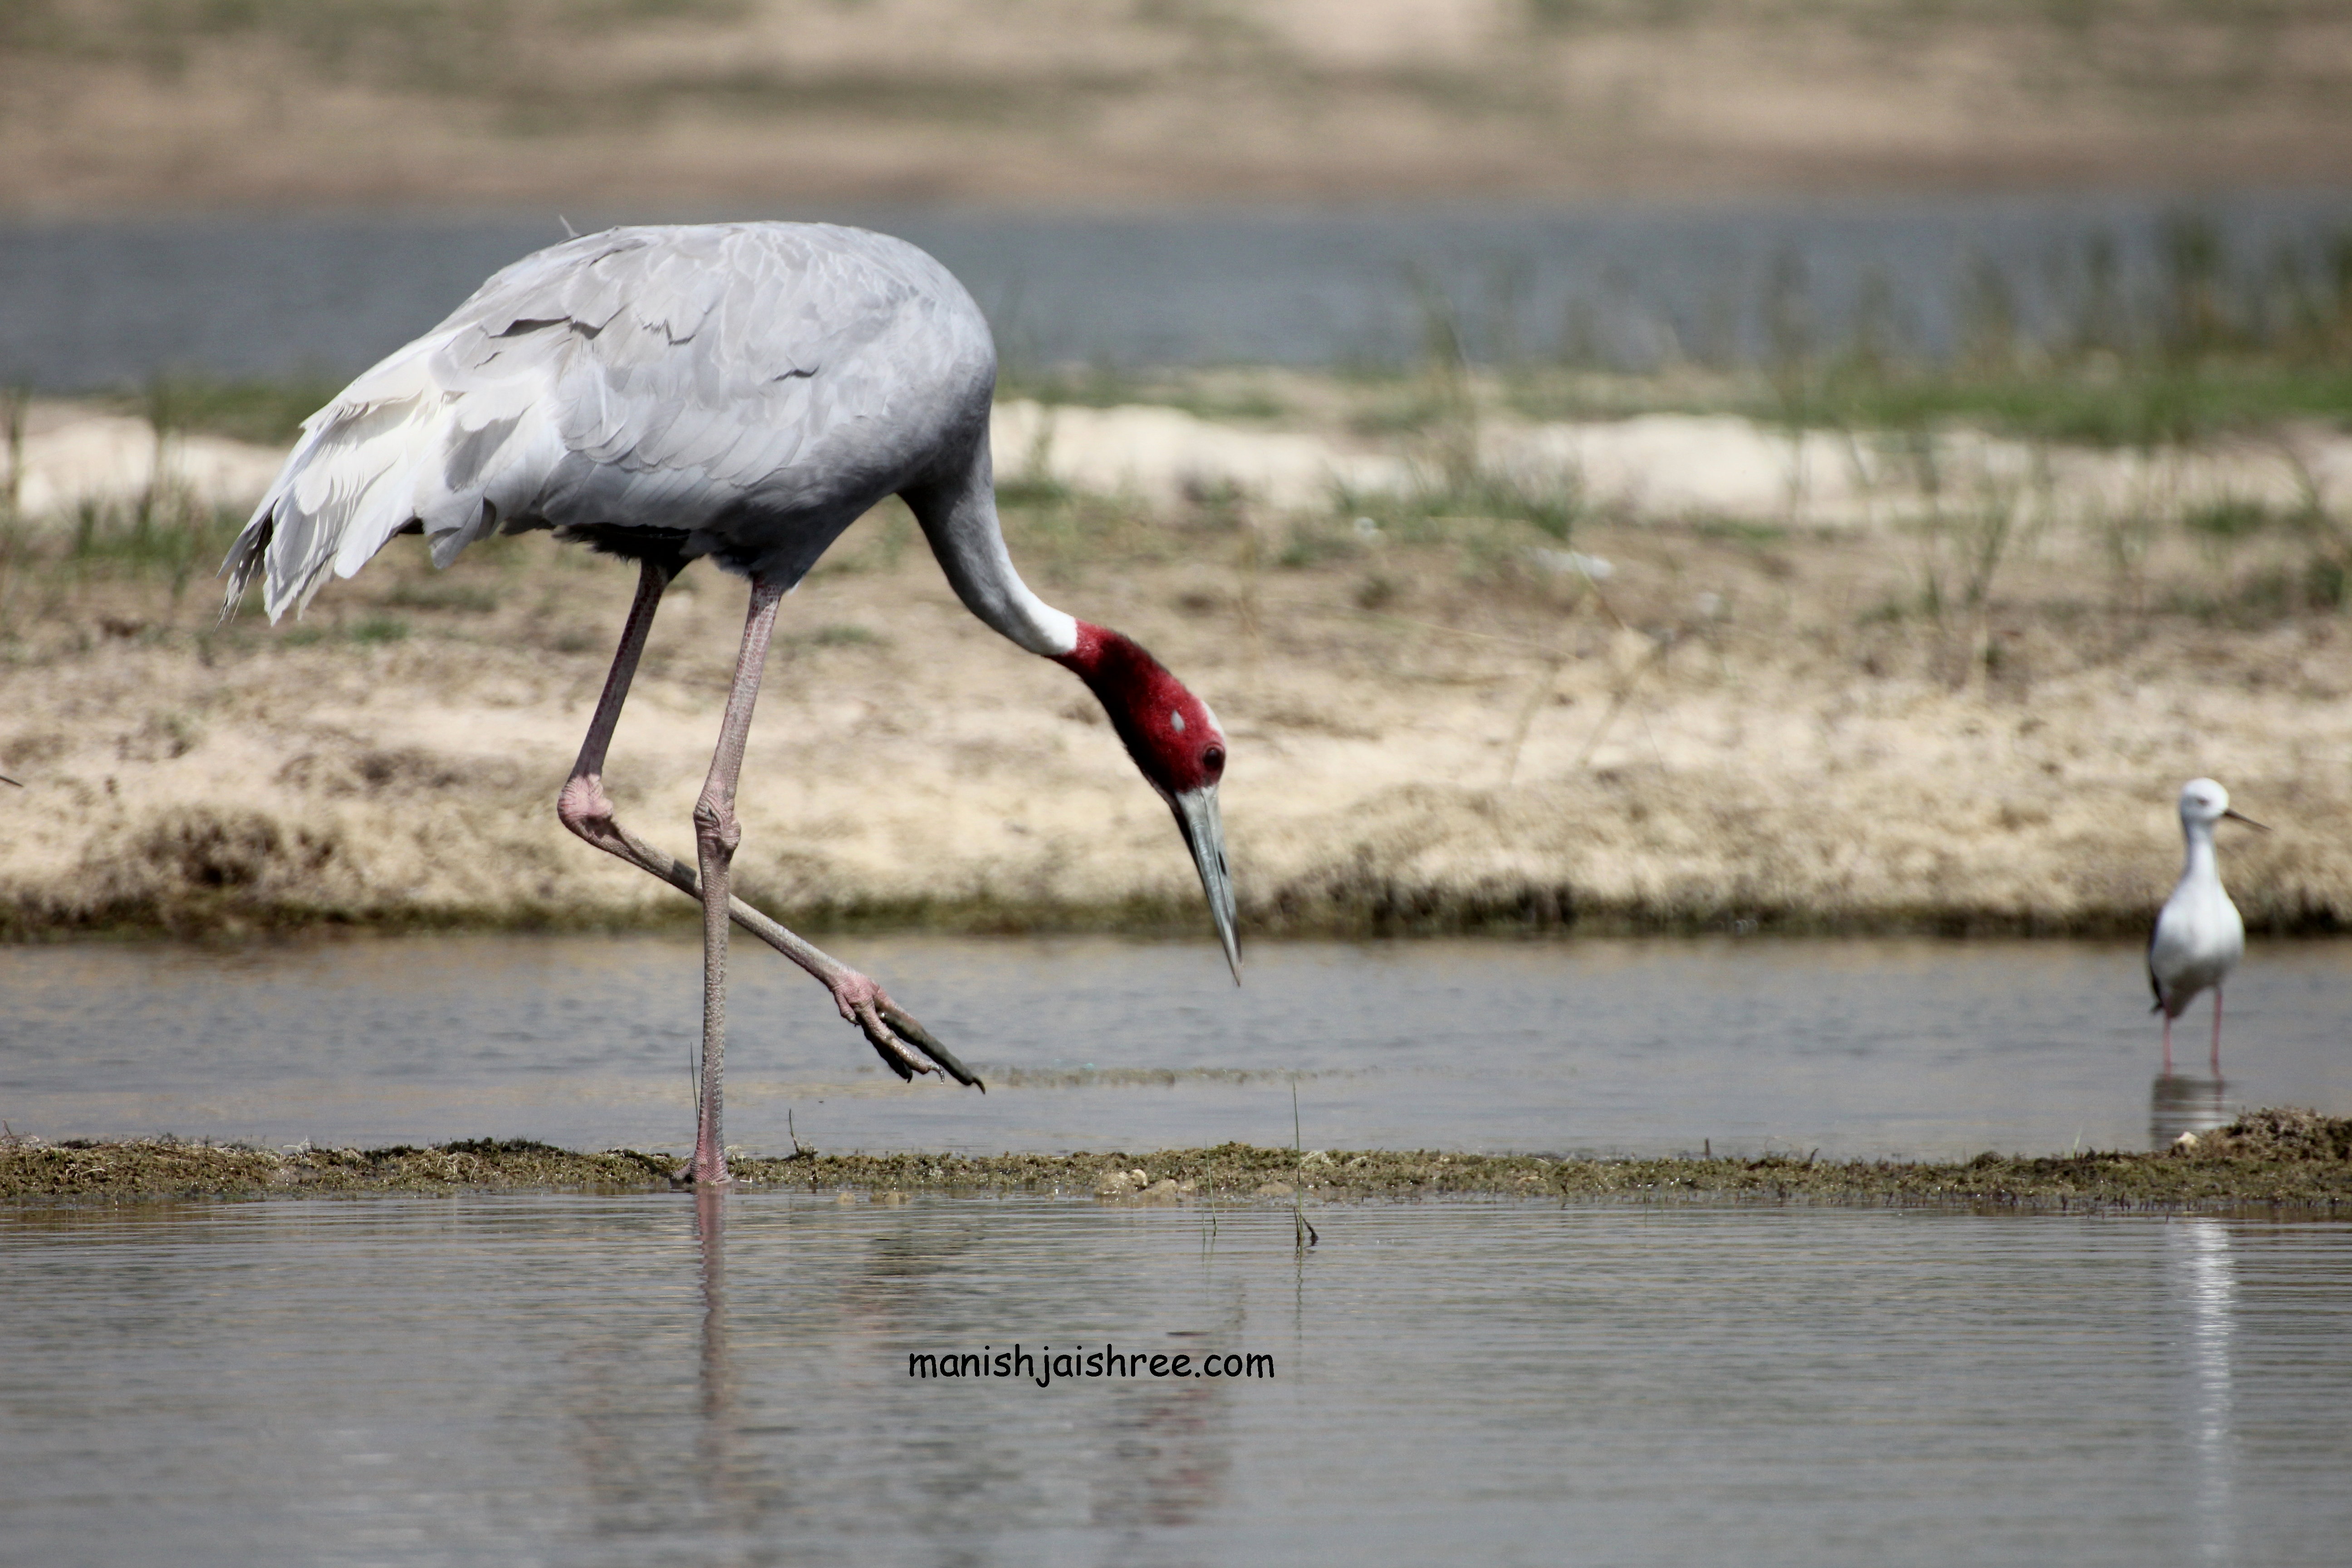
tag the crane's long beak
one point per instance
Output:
(2236, 816)
(1204, 834)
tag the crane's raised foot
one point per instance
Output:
(893, 1032)
(902, 1023)
(889, 1027)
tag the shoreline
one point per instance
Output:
(1874, 706)
(2277, 1159)
(1511, 915)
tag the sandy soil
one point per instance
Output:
(1441, 719)
(748, 103)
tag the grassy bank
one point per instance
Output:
(2287, 1159)
(1956, 695)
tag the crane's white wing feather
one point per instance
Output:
(752, 387)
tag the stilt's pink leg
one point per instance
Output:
(2168, 1044)
(2217, 1031)
(716, 833)
(585, 808)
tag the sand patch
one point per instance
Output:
(72, 459)
(1652, 466)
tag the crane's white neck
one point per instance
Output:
(959, 519)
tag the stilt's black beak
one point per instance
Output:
(2236, 816)
(1204, 834)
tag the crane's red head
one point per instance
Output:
(1178, 744)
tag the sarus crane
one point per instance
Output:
(742, 391)
(2198, 936)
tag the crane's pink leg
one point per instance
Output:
(585, 808)
(716, 833)
(582, 807)
(2217, 1032)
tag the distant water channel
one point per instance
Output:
(620, 1381)
(1857, 1048)
(91, 303)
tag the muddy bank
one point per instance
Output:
(1488, 698)
(2284, 1158)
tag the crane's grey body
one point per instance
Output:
(739, 391)
(744, 392)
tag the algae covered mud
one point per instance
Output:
(2278, 1159)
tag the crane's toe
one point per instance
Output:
(902, 1023)
(886, 1044)
(894, 1033)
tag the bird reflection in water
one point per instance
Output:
(665, 1438)
(1165, 1452)
(2204, 1278)
(710, 1233)
(715, 1433)
(1170, 1443)
(2179, 1104)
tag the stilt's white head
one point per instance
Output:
(2204, 802)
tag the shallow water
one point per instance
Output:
(586, 1381)
(100, 302)
(1863, 1048)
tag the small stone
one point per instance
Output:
(1273, 1190)
(1113, 1185)
(844, 1197)
(2185, 1145)
(1163, 1190)
(890, 1200)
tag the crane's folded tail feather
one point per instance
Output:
(395, 453)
